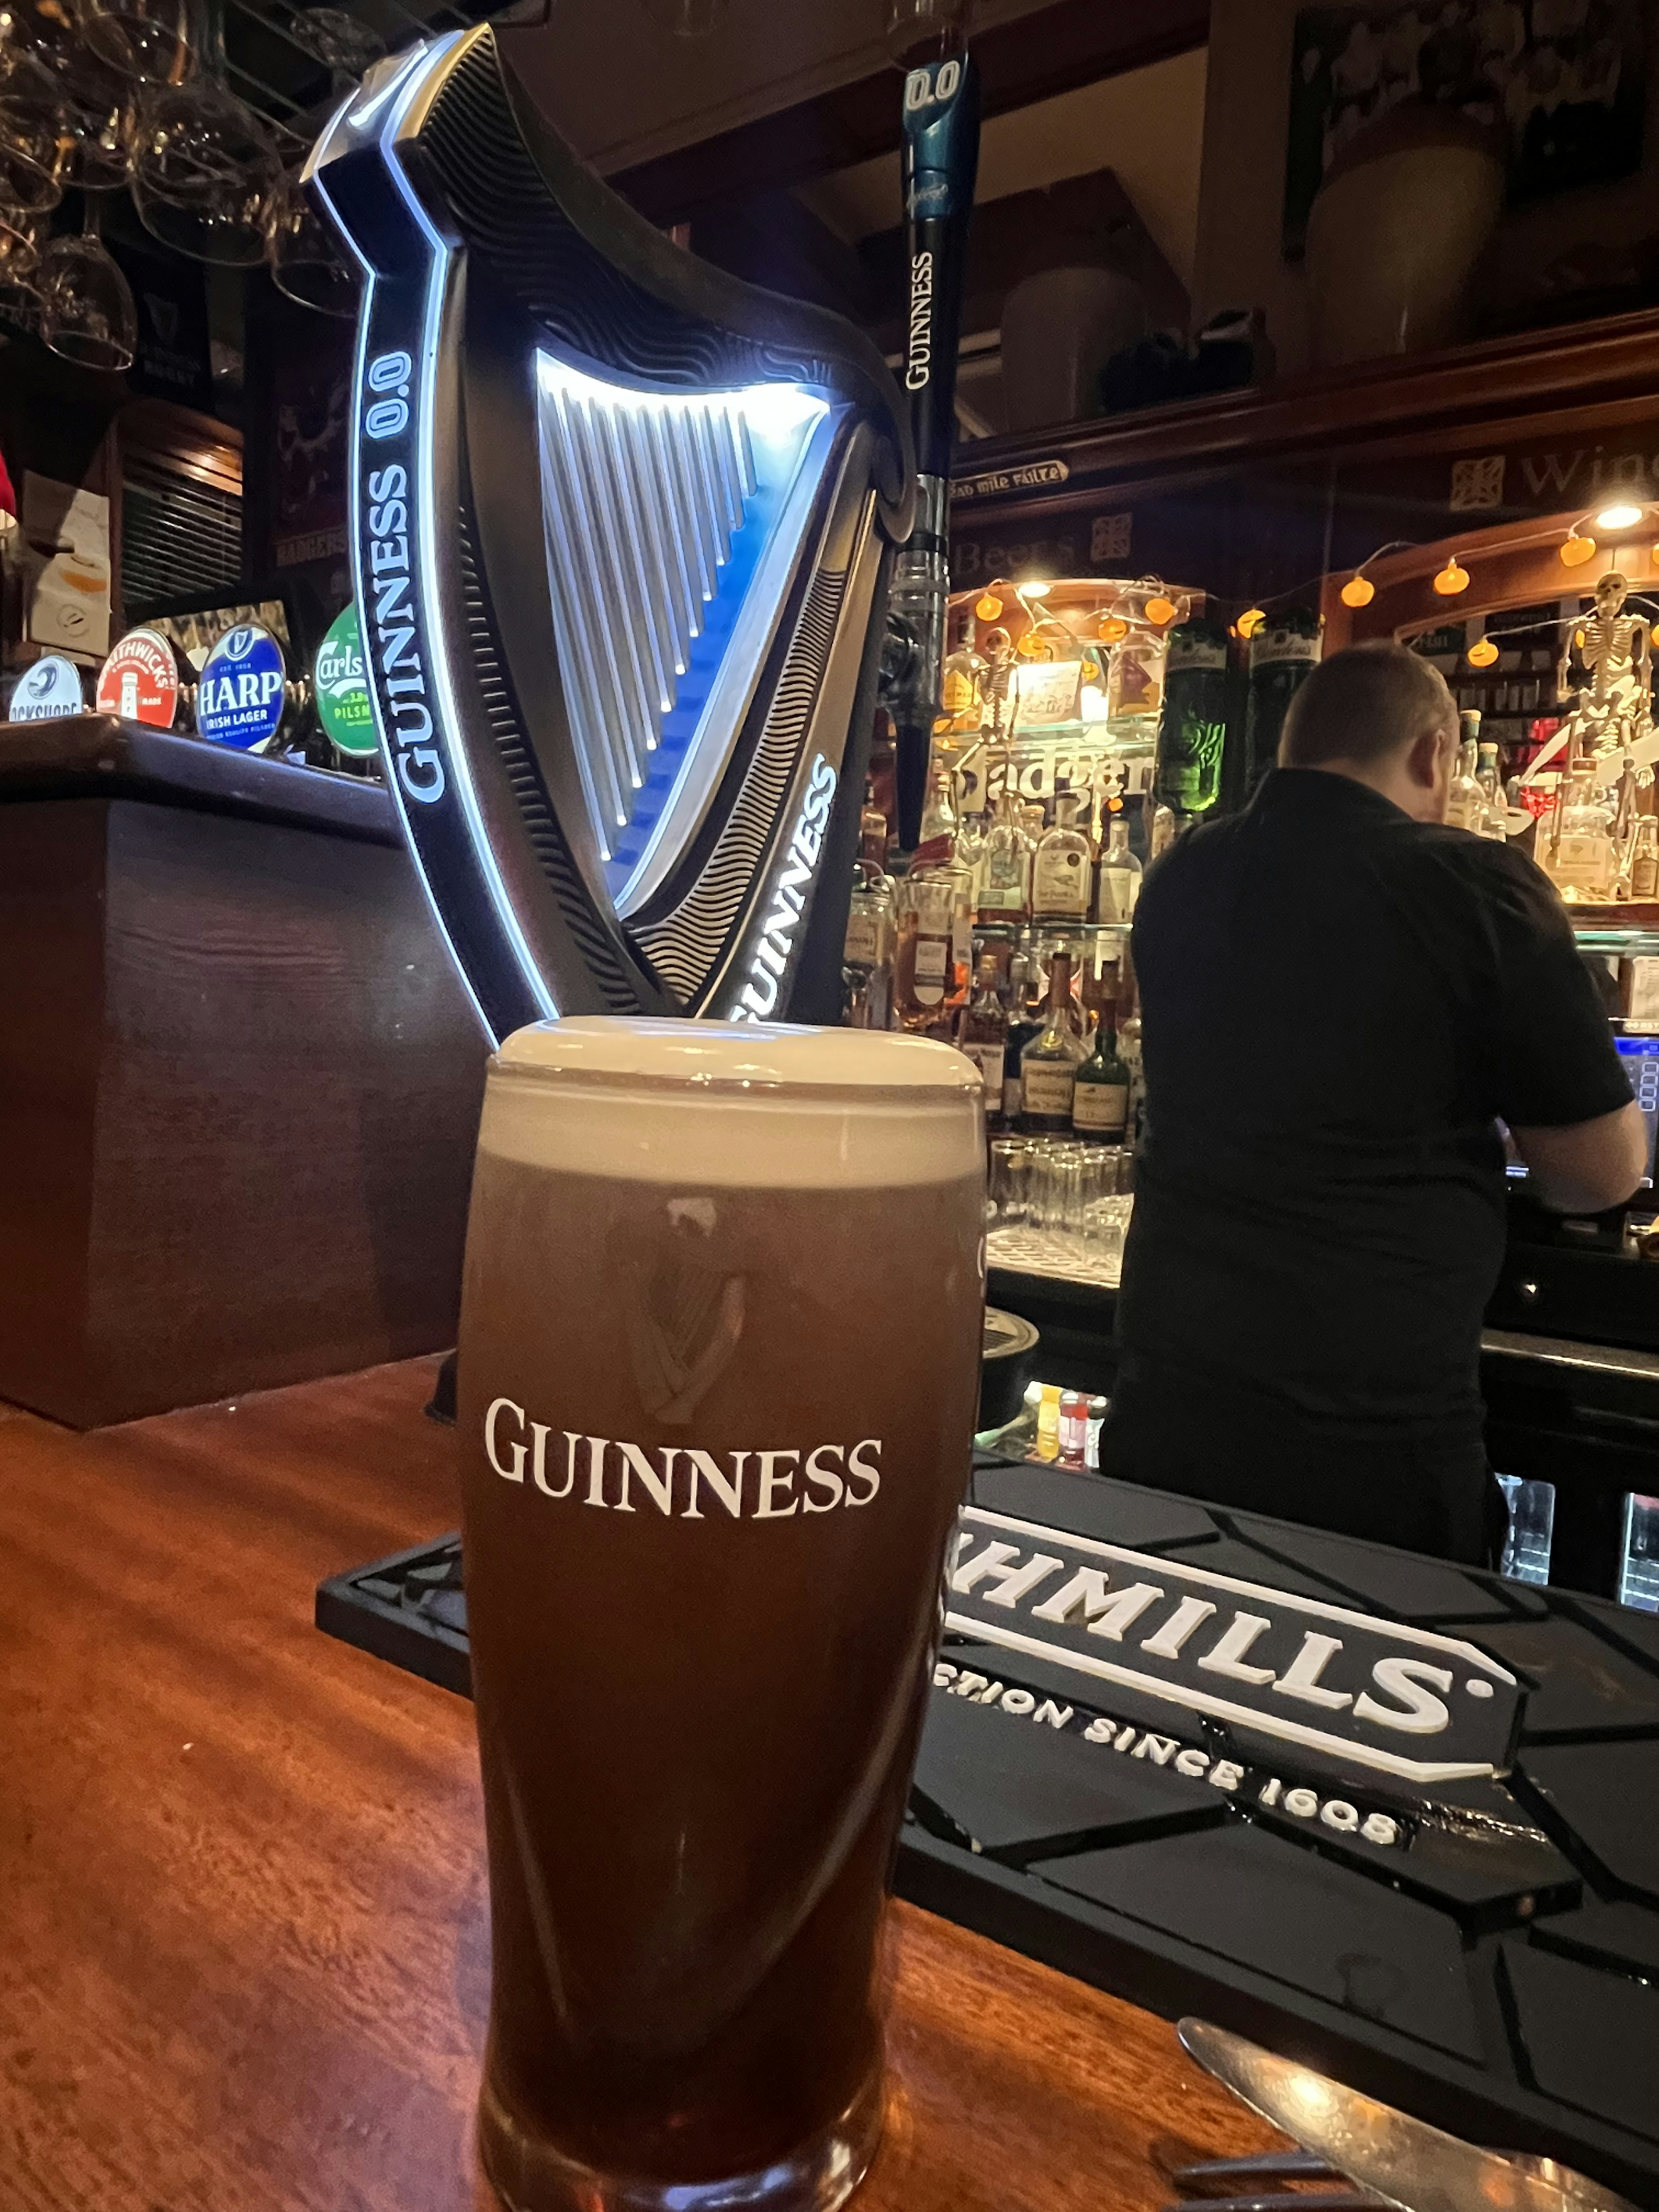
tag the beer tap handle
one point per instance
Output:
(940, 161)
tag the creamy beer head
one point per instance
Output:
(765, 1105)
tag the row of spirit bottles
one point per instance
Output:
(1023, 869)
(1042, 1073)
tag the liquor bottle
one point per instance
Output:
(1163, 831)
(1120, 876)
(1488, 811)
(1192, 730)
(1049, 1065)
(1005, 876)
(1583, 861)
(982, 1034)
(868, 951)
(962, 693)
(873, 835)
(939, 812)
(1061, 874)
(1283, 654)
(922, 969)
(1021, 1029)
(1645, 859)
(1100, 1101)
(1464, 796)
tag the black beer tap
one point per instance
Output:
(941, 160)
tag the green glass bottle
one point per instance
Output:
(1283, 654)
(1099, 1095)
(1192, 731)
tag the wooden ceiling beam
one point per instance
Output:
(1067, 44)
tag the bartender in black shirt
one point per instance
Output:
(1339, 998)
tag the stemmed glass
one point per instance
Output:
(306, 263)
(35, 132)
(86, 313)
(205, 168)
(150, 40)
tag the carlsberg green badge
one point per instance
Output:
(341, 688)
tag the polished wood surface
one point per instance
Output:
(245, 1965)
(240, 1084)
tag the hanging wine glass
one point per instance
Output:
(36, 135)
(308, 264)
(97, 99)
(150, 40)
(87, 313)
(205, 168)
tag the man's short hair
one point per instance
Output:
(1363, 704)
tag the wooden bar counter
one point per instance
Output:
(245, 1965)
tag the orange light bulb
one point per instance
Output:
(988, 608)
(1160, 610)
(1249, 622)
(1110, 627)
(1577, 550)
(1358, 591)
(1482, 652)
(1452, 579)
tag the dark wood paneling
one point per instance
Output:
(246, 1953)
(1071, 43)
(281, 1075)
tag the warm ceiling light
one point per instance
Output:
(1358, 591)
(1110, 627)
(1577, 550)
(1482, 653)
(1160, 610)
(988, 608)
(1249, 622)
(1624, 517)
(1452, 579)
(1038, 588)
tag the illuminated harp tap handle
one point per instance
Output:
(941, 160)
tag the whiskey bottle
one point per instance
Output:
(1192, 730)
(1049, 1065)
(983, 1035)
(1283, 654)
(1061, 874)
(1100, 1101)
(1005, 874)
(938, 812)
(1120, 876)
(923, 968)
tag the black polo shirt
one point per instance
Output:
(1336, 1002)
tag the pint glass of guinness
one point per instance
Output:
(718, 1359)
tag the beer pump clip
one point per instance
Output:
(940, 162)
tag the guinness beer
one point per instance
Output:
(718, 1364)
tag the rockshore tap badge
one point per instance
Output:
(47, 692)
(340, 687)
(1377, 1693)
(241, 696)
(140, 680)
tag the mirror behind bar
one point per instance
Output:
(622, 531)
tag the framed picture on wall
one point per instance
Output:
(1563, 79)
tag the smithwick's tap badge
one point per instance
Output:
(140, 680)
(47, 692)
(242, 693)
(1403, 1701)
(340, 686)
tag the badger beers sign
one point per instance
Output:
(1404, 1700)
